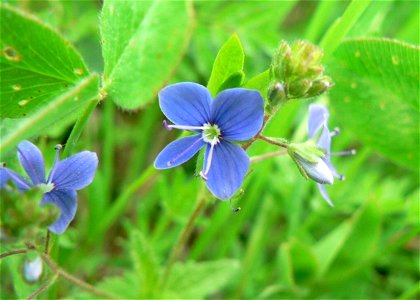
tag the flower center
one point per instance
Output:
(211, 133)
(45, 187)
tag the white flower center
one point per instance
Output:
(45, 187)
(211, 133)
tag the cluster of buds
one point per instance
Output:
(297, 72)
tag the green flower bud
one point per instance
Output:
(319, 86)
(298, 88)
(276, 94)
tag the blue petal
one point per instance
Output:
(66, 201)
(20, 182)
(324, 194)
(318, 116)
(75, 172)
(179, 151)
(324, 141)
(31, 160)
(186, 103)
(239, 113)
(228, 169)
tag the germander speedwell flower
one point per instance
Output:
(235, 115)
(59, 189)
(318, 125)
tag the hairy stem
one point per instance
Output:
(60, 272)
(78, 127)
(259, 158)
(13, 252)
(279, 143)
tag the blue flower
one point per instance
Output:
(235, 115)
(318, 126)
(59, 189)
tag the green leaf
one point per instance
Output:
(145, 264)
(259, 82)
(299, 264)
(198, 280)
(229, 61)
(63, 108)
(36, 65)
(143, 41)
(377, 95)
(350, 246)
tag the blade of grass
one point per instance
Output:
(342, 26)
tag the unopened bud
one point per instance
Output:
(298, 88)
(276, 94)
(317, 171)
(32, 269)
(319, 86)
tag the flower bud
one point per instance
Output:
(298, 88)
(32, 269)
(319, 86)
(276, 94)
(309, 160)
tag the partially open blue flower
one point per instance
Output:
(234, 115)
(318, 125)
(66, 177)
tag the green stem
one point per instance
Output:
(13, 252)
(107, 127)
(121, 202)
(278, 142)
(262, 157)
(342, 26)
(78, 127)
(43, 287)
(184, 235)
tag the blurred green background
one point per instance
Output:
(286, 242)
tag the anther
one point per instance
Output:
(344, 153)
(335, 132)
(2, 164)
(58, 147)
(165, 124)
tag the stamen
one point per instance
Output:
(209, 159)
(171, 162)
(2, 165)
(344, 153)
(335, 132)
(57, 149)
(182, 127)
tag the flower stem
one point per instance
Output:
(184, 236)
(258, 158)
(277, 142)
(13, 252)
(267, 117)
(60, 272)
(47, 243)
(43, 287)
(78, 127)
